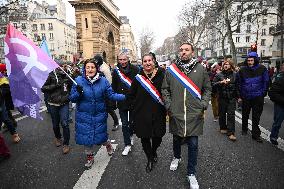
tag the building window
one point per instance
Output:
(239, 7)
(248, 28)
(51, 36)
(42, 26)
(50, 26)
(249, 18)
(262, 43)
(51, 46)
(15, 25)
(263, 32)
(238, 30)
(247, 38)
(86, 22)
(237, 39)
(43, 36)
(24, 26)
(34, 27)
(264, 21)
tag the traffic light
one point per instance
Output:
(253, 48)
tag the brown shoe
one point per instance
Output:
(57, 142)
(232, 137)
(66, 149)
(223, 131)
(16, 138)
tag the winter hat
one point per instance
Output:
(3, 68)
(252, 55)
(98, 59)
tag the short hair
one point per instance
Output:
(187, 43)
(123, 54)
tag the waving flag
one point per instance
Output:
(28, 67)
(44, 47)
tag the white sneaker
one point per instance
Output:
(90, 161)
(174, 164)
(126, 150)
(132, 140)
(192, 181)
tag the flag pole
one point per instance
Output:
(69, 76)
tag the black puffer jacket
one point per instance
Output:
(229, 91)
(119, 87)
(57, 88)
(276, 92)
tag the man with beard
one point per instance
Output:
(253, 81)
(186, 91)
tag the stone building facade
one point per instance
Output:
(97, 27)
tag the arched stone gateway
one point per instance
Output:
(97, 26)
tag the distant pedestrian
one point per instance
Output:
(276, 94)
(253, 84)
(6, 100)
(122, 78)
(186, 90)
(214, 95)
(91, 117)
(56, 89)
(226, 85)
(110, 105)
(149, 113)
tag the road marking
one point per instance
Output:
(264, 133)
(90, 178)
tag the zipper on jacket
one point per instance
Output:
(184, 106)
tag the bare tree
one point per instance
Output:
(192, 22)
(146, 41)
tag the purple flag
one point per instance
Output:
(27, 68)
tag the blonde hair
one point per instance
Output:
(230, 61)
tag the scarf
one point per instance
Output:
(92, 80)
(186, 66)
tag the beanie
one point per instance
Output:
(98, 59)
(252, 55)
(3, 68)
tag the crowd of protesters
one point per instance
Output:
(145, 96)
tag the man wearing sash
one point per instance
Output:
(186, 91)
(122, 78)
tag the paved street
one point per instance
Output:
(37, 163)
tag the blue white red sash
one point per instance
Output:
(185, 81)
(150, 88)
(123, 78)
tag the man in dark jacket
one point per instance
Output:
(122, 77)
(57, 88)
(276, 94)
(253, 83)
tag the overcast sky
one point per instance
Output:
(159, 16)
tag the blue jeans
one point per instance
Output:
(278, 119)
(60, 115)
(192, 148)
(5, 119)
(126, 130)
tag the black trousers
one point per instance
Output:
(227, 109)
(114, 116)
(149, 148)
(256, 104)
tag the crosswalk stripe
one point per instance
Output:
(90, 178)
(264, 133)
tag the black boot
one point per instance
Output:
(149, 166)
(155, 157)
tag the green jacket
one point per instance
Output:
(186, 112)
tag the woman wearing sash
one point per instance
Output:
(149, 114)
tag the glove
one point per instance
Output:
(79, 89)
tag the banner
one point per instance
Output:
(28, 67)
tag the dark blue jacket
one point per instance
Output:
(253, 81)
(91, 115)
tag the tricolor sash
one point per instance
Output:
(123, 77)
(185, 81)
(150, 88)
